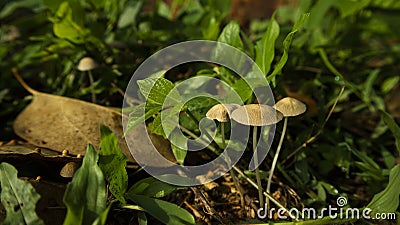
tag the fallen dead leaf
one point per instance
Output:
(60, 123)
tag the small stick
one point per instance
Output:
(207, 205)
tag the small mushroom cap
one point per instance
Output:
(69, 169)
(256, 115)
(221, 112)
(290, 107)
(86, 64)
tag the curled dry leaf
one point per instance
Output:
(59, 123)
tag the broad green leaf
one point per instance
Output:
(211, 28)
(85, 196)
(265, 49)
(65, 26)
(179, 153)
(102, 219)
(231, 35)
(243, 89)
(137, 117)
(387, 201)
(350, 7)
(165, 212)
(156, 90)
(156, 126)
(152, 187)
(286, 45)
(128, 16)
(113, 162)
(18, 197)
(393, 126)
(166, 121)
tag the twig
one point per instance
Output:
(195, 211)
(313, 138)
(208, 206)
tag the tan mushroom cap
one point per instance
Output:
(257, 115)
(221, 112)
(86, 64)
(290, 107)
(69, 169)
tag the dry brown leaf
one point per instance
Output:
(59, 123)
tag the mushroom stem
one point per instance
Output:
(223, 135)
(234, 178)
(91, 86)
(276, 155)
(258, 177)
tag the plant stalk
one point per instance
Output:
(258, 177)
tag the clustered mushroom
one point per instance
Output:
(257, 115)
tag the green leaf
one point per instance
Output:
(156, 91)
(137, 117)
(142, 219)
(18, 197)
(393, 126)
(286, 45)
(179, 153)
(350, 7)
(163, 211)
(389, 84)
(231, 35)
(113, 162)
(85, 196)
(265, 49)
(165, 127)
(387, 201)
(65, 26)
(152, 187)
(13, 5)
(102, 219)
(128, 16)
(243, 89)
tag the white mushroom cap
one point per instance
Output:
(290, 107)
(221, 112)
(256, 115)
(86, 63)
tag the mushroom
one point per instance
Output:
(288, 107)
(221, 113)
(257, 115)
(88, 64)
(69, 169)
